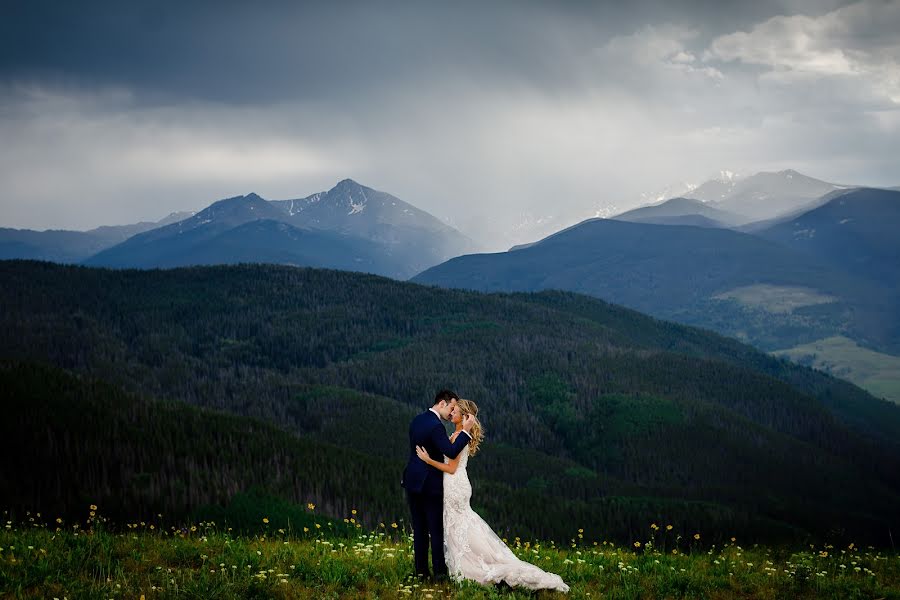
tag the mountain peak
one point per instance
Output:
(727, 176)
(346, 184)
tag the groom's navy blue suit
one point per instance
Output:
(425, 488)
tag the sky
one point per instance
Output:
(492, 116)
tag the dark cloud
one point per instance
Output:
(480, 112)
(323, 51)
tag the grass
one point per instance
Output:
(875, 372)
(775, 298)
(142, 560)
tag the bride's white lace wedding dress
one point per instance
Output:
(473, 551)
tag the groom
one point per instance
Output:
(425, 485)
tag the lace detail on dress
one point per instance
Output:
(472, 549)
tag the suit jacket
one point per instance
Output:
(426, 430)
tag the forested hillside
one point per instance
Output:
(595, 414)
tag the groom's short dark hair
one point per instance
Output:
(445, 395)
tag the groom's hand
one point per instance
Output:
(468, 422)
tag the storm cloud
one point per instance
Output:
(488, 115)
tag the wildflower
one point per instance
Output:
(311, 506)
(353, 511)
(637, 544)
(306, 530)
(696, 536)
(394, 525)
(93, 507)
(668, 528)
(318, 526)
(266, 520)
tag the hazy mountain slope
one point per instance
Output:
(267, 241)
(353, 209)
(357, 228)
(643, 266)
(858, 231)
(680, 207)
(731, 282)
(71, 246)
(173, 244)
(54, 245)
(766, 195)
(687, 220)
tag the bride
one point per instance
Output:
(473, 551)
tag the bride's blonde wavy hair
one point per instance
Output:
(467, 407)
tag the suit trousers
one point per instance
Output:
(428, 522)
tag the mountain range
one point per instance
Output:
(72, 246)
(350, 227)
(733, 200)
(828, 271)
(811, 268)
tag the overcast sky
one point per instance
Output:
(479, 112)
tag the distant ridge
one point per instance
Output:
(687, 274)
(764, 195)
(681, 211)
(857, 231)
(348, 227)
(66, 246)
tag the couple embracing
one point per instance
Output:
(463, 546)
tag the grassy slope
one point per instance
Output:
(875, 372)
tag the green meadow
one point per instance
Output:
(875, 372)
(94, 559)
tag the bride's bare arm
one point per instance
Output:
(449, 467)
